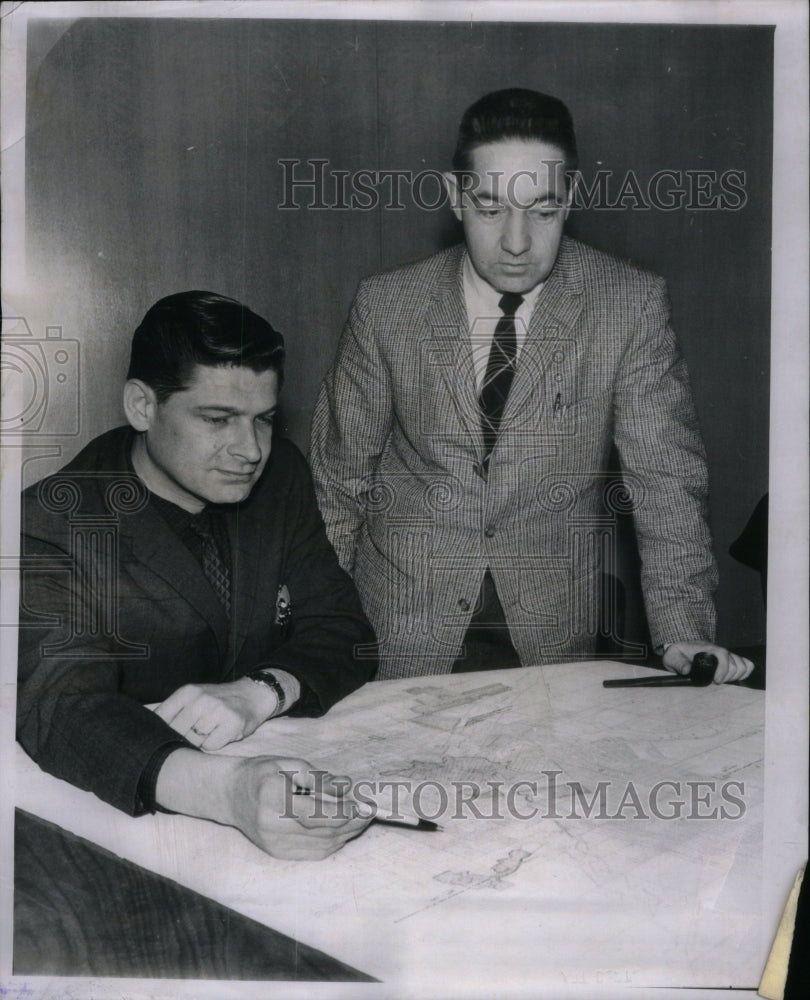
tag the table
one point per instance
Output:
(590, 836)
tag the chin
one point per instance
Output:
(517, 283)
(518, 286)
(230, 494)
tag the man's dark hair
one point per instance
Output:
(515, 114)
(200, 328)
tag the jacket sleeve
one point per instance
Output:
(331, 648)
(71, 717)
(352, 422)
(658, 440)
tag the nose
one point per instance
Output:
(245, 445)
(515, 237)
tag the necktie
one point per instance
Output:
(216, 570)
(500, 371)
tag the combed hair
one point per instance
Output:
(194, 328)
(515, 114)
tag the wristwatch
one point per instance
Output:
(269, 679)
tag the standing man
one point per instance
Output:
(178, 561)
(461, 438)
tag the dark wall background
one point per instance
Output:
(152, 156)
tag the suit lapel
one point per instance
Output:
(556, 311)
(147, 535)
(244, 530)
(155, 545)
(450, 348)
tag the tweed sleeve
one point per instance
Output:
(352, 422)
(658, 440)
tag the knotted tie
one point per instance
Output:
(500, 371)
(217, 572)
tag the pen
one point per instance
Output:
(557, 403)
(392, 819)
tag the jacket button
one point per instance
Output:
(463, 604)
(489, 532)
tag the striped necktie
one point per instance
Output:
(500, 371)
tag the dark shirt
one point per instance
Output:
(191, 528)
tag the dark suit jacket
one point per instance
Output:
(116, 613)
(397, 448)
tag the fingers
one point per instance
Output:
(219, 737)
(205, 721)
(736, 668)
(319, 810)
(730, 666)
(312, 779)
(305, 826)
(345, 818)
(322, 838)
(307, 849)
(722, 669)
(677, 660)
(206, 729)
(169, 709)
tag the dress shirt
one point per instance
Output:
(483, 314)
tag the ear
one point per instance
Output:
(453, 192)
(140, 404)
(570, 189)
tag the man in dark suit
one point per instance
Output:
(461, 439)
(180, 561)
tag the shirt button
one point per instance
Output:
(489, 532)
(463, 604)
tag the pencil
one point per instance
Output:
(392, 819)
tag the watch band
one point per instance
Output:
(269, 679)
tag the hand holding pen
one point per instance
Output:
(367, 809)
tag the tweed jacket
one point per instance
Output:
(116, 613)
(397, 448)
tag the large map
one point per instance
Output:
(587, 835)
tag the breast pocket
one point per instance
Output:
(583, 427)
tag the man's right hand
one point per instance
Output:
(255, 795)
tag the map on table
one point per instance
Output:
(620, 824)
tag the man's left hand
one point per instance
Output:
(730, 666)
(212, 715)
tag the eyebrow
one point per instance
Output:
(550, 198)
(232, 411)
